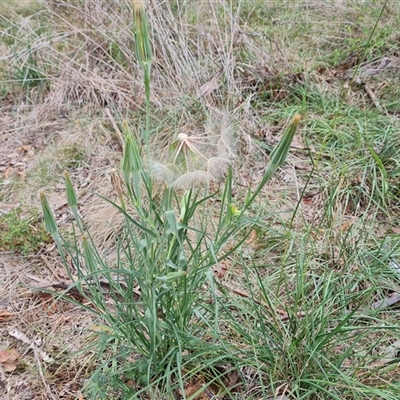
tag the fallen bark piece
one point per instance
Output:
(386, 302)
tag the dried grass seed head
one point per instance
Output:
(193, 160)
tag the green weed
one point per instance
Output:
(167, 250)
(22, 232)
(302, 263)
(70, 156)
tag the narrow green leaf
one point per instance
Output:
(378, 162)
(279, 154)
(131, 165)
(172, 276)
(71, 196)
(49, 219)
(142, 38)
(88, 254)
(277, 158)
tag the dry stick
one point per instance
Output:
(69, 286)
(39, 364)
(386, 302)
(114, 124)
(49, 267)
(371, 94)
(285, 387)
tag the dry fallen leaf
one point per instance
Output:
(346, 225)
(8, 359)
(223, 267)
(5, 315)
(200, 391)
(211, 85)
(231, 379)
(192, 389)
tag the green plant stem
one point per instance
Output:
(277, 158)
(147, 73)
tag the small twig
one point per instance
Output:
(39, 364)
(69, 287)
(48, 266)
(239, 292)
(386, 302)
(278, 391)
(115, 125)
(371, 94)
